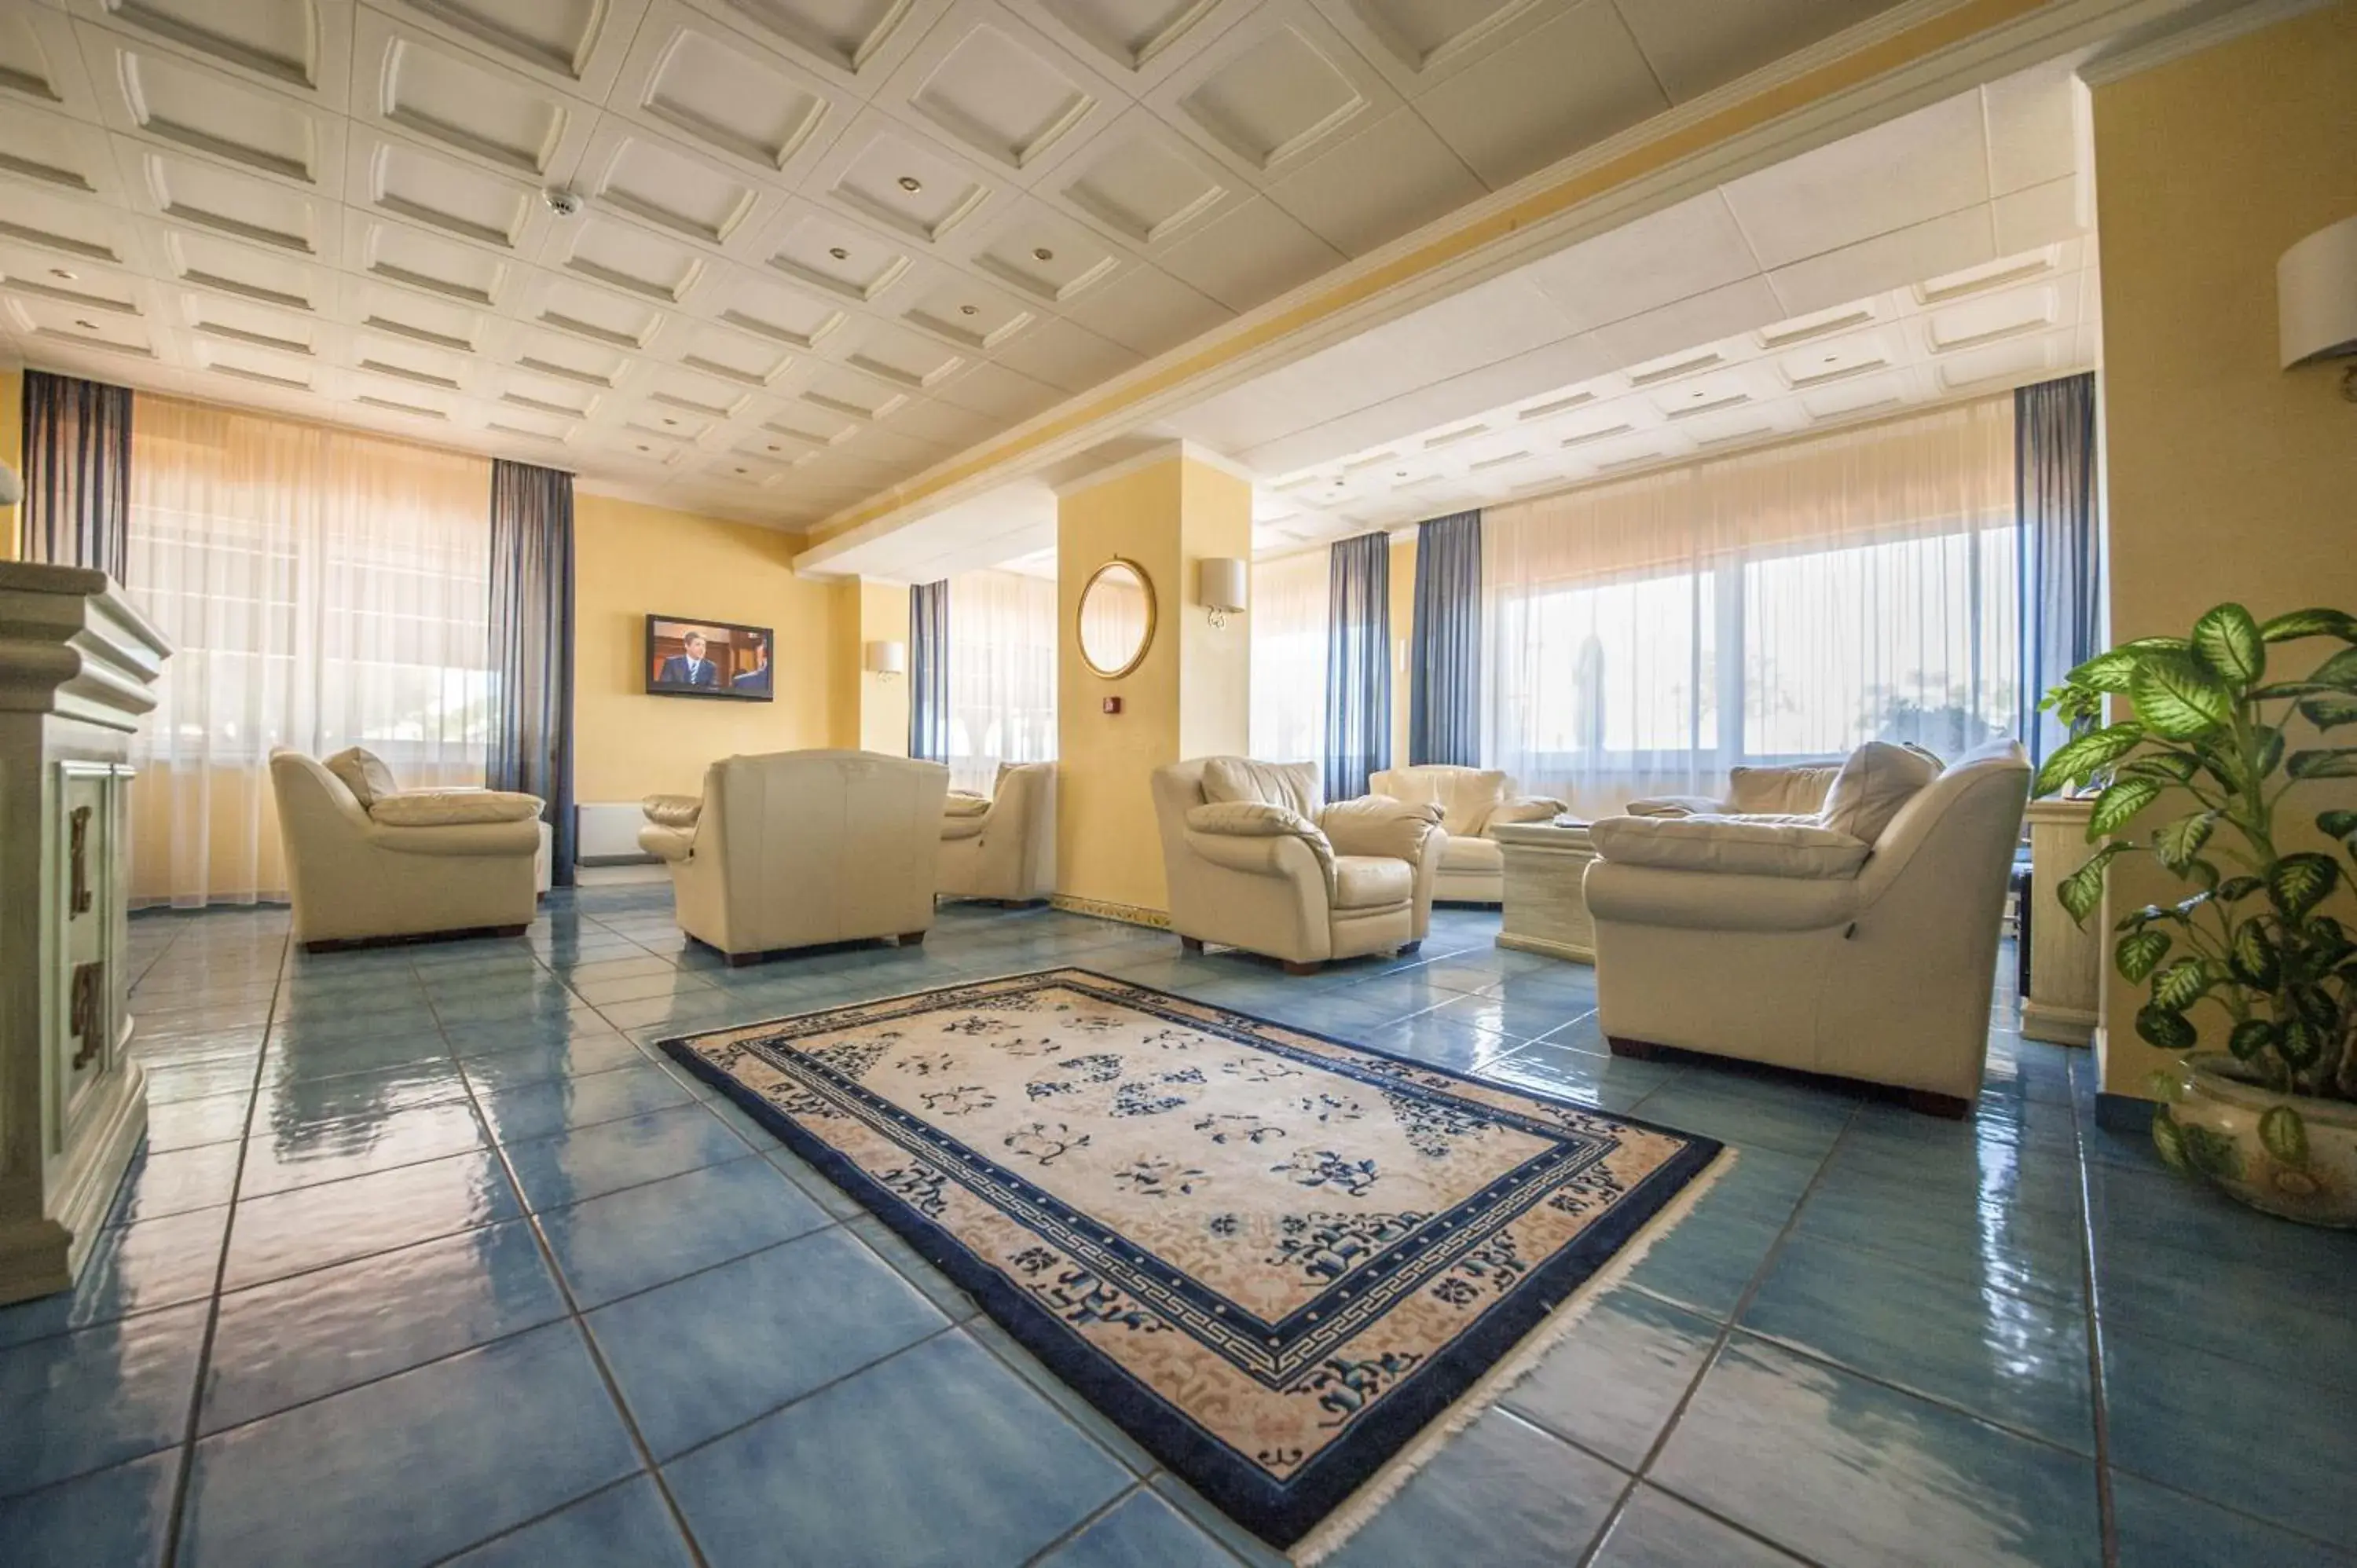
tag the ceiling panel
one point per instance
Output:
(869, 232)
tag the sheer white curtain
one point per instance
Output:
(1640, 637)
(1002, 674)
(320, 589)
(1290, 600)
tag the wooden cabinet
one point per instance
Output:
(77, 665)
(2066, 963)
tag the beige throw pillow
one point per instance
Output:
(1876, 780)
(368, 780)
(1740, 846)
(672, 811)
(1778, 791)
(453, 807)
(1292, 785)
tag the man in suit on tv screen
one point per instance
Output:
(756, 681)
(691, 668)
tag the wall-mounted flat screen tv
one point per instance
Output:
(688, 658)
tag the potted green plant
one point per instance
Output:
(2254, 945)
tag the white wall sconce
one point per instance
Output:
(2316, 301)
(1220, 587)
(887, 660)
(12, 489)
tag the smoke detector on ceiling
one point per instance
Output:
(564, 203)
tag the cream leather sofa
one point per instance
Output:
(1254, 860)
(402, 864)
(797, 848)
(1796, 942)
(1751, 791)
(1471, 802)
(1002, 847)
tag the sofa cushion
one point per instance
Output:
(954, 827)
(1872, 785)
(1778, 791)
(1744, 846)
(452, 808)
(1466, 796)
(364, 774)
(964, 804)
(1371, 881)
(1472, 854)
(1292, 785)
(672, 811)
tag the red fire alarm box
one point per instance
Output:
(1112, 705)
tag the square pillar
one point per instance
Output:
(1189, 695)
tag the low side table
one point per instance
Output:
(1545, 910)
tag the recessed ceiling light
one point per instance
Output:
(87, 325)
(840, 254)
(968, 310)
(61, 274)
(911, 184)
(740, 470)
(1041, 253)
(671, 422)
(1703, 393)
(773, 446)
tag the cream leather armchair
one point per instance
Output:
(402, 864)
(1254, 860)
(1004, 847)
(1821, 949)
(1471, 802)
(797, 848)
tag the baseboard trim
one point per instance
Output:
(1127, 914)
(2123, 1114)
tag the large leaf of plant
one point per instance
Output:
(2176, 698)
(2330, 712)
(2106, 672)
(2254, 957)
(2309, 623)
(2173, 767)
(2116, 805)
(2140, 951)
(2339, 672)
(2082, 890)
(2081, 756)
(2251, 1038)
(2180, 985)
(2337, 762)
(2176, 845)
(2298, 883)
(2159, 1027)
(2228, 641)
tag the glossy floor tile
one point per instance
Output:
(432, 1257)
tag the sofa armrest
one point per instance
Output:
(1380, 825)
(672, 811)
(1525, 809)
(1742, 846)
(1675, 806)
(489, 839)
(666, 843)
(1242, 835)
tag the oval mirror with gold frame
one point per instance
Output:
(1116, 618)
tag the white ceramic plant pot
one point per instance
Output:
(2216, 1121)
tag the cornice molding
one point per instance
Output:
(2205, 28)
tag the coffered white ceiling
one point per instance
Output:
(821, 245)
(1947, 253)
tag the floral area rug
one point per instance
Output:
(1286, 1266)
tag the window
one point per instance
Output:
(1002, 674)
(320, 589)
(1642, 638)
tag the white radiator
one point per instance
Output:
(609, 834)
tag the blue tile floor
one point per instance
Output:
(430, 1257)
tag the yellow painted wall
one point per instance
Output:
(12, 454)
(631, 561)
(1190, 695)
(2229, 478)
